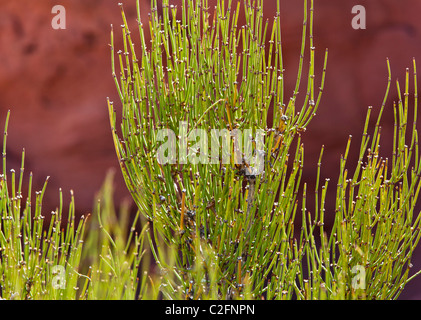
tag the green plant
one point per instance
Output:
(219, 231)
(376, 229)
(58, 257)
(28, 253)
(238, 228)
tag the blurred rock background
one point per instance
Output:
(55, 82)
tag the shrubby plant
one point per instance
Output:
(215, 227)
(219, 231)
(43, 257)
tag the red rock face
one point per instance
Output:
(56, 82)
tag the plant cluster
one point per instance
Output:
(218, 232)
(55, 256)
(218, 229)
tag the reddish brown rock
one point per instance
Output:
(56, 82)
